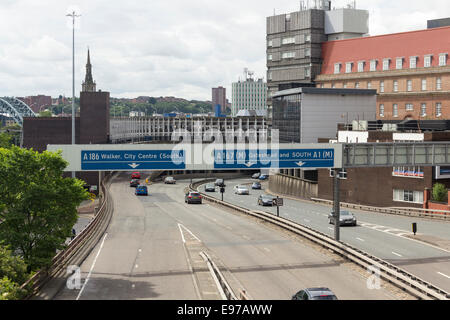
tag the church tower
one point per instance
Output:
(88, 83)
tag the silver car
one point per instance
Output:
(241, 190)
(346, 218)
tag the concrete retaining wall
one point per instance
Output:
(292, 186)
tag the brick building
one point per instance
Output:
(409, 70)
(37, 103)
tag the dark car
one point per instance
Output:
(135, 175)
(141, 191)
(193, 197)
(210, 187)
(346, 218)
(266, 200)
(220, 183)
(134, 183)
(315, 294)
(256, 175)
(256, 186)
(263, 177)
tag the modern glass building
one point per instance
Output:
(249, 95)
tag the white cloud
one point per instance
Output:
(159, 47)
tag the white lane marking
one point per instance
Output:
(330, 228)
(181, 231)
(92, 267)
(193, 235)
(361, 239)
(267, 249)
(398, 255)
(444, 275)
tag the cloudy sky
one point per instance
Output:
(158, 47)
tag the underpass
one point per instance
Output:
(385, 236)
(150, 251)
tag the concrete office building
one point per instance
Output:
(294, 42)
(249, 95)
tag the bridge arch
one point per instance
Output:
(16, 109)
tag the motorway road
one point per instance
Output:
(383, 235)
(150, 251)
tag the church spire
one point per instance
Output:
(88, 83)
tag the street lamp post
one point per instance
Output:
(73, 15)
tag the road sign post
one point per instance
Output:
(222, 191)
(336, 205)
(414, 228)
(278, 207)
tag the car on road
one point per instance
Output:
(210, 187)
(256, 185)
(134, 183)
(256, 175)
(239, 189)
(170, 180)
(315, 294)
(263, 177)
(346, 218)
(266, 200)
(135, 175)
(141, 191)
(193, 197)
(220, 183)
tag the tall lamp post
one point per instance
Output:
(73, 15)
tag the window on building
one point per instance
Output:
(386, 64)
(357, 85)
(307, 52)
(333, 85)
(427, 61)
(423, 109)
(337, 68)
(361, 66)
(382, 86)
(438, 109)
(424, 84)
(269, 75)
(409, 107)
(395, 85)
(373, 65)
(307, 72)
(270, 43)
(308, 38)
(348, 67)
(288, 55)
(345, 85)
(342, 173)
(409, 85)
(410, 172)
(408, 196)
(413, 62)
(442, 59)
(369, 85)
(395, 110)
(381, 110)
(399, 63)
(438, 84)
(269, 57)
(289, 40)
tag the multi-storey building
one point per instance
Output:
(37, 103)
(410, 71)
(219, 97)
(249, 95)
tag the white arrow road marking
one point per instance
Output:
(300, 164)
(134, 165)
(193, 235)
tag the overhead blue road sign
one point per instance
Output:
(110, 160)
(282, 159)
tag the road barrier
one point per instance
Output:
(412, 212)
(400, 278)
(227, 292)
(77, 250)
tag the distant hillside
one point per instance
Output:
(158, 105)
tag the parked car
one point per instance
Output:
(135, 175)
(241, 190)
(263, 177)
(256, 175)
(315, 294)
(220, 183)
(134, 183)
(170, 180)
(193, 197)
(345, 218)
(210, 187)
(141, 191)
(256, 186)
(266, 200)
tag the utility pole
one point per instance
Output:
(73, 15)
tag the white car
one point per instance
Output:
(241, 190)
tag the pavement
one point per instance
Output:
(152, 247)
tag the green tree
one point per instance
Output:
(5, 140)
(439, 192)
(39, 205)
(45, 113)
(13, 273)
